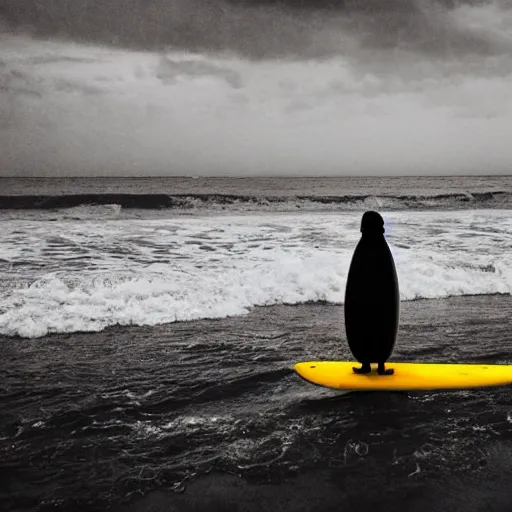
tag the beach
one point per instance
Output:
(209, 415)
(147, 354)
(182, 185)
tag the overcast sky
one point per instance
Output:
(204, 87)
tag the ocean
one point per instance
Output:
(148, 329)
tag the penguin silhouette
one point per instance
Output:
(372, 298)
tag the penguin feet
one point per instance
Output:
(365, 368)
(382, 370)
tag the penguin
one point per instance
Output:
(372, 298)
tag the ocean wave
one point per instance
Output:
(60, 277)
(59, 303)
(484, 199)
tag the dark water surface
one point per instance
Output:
(269, 186)
(257, 194)
(208, 415)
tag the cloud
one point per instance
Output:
(255, 28)
(369, 105)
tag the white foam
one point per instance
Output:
(86, 212)
(85, 276)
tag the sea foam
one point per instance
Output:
(74, 276)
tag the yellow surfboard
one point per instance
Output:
(407, 376)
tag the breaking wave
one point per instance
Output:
(92, 303)
(490, 199)
(74, 276)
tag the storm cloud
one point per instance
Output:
(127, 87)
(256, 28)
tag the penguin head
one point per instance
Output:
(372, 223)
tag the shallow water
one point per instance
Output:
(91, 420)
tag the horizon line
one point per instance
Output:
(264, 176)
